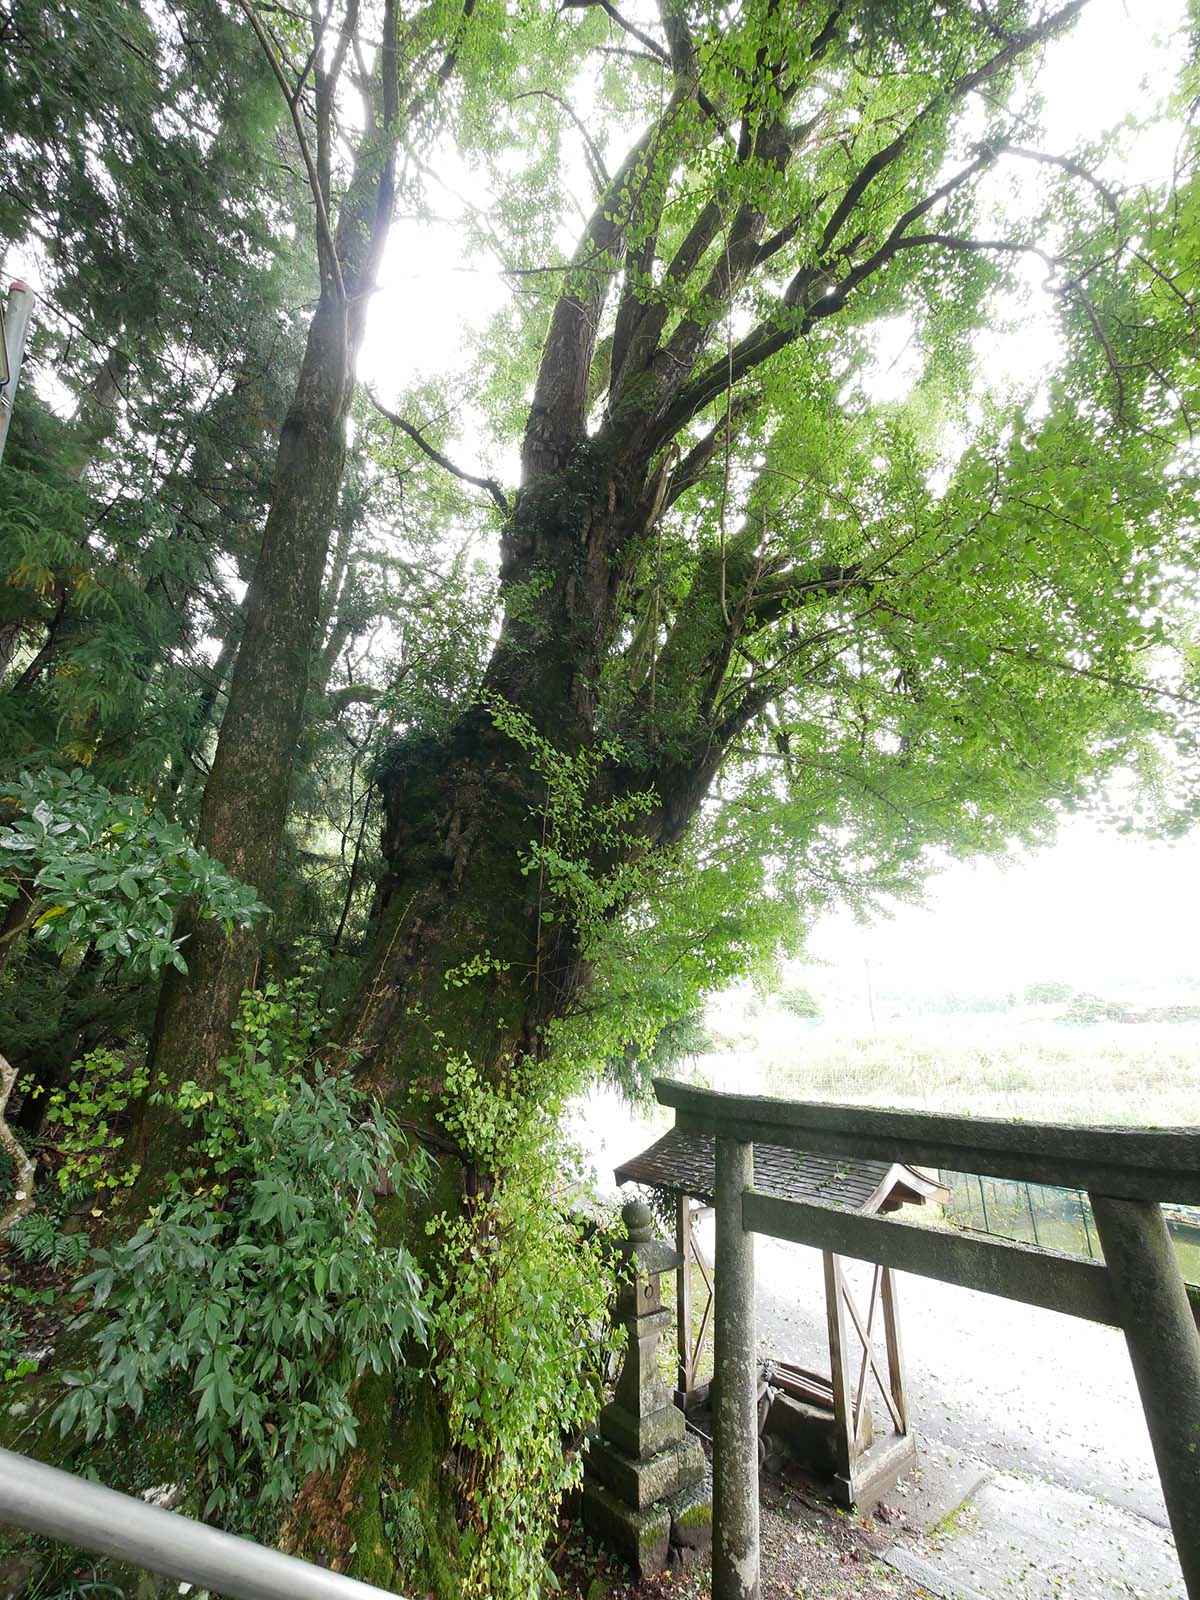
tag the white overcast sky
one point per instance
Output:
(1096, 907)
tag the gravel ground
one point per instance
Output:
(808, 1550)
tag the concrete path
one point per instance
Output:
(1029, 1538)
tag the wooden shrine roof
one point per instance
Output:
(684, 1163)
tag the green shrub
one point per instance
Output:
(37, 1236)
(106, 869)
(260, 1276)
(86, 1113)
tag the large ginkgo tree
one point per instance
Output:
(773, 628)
(760, 627)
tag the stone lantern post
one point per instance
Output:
(645, 1489)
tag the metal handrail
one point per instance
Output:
(44, 1500)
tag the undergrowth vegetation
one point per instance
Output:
(259, 1277)
(522, 1334)
(241, 1314)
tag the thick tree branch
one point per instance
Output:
(435, 455)
(816, 290)
(679, 41)
(559, 408)
(788, 591)
(326, 248)
(1017, 46)
(346, 34)
(835, 297)
(640, 324)
(828, 33)
(770, 142)
(812, 294)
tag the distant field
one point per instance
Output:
(1114, 1073)
(1139, 1073)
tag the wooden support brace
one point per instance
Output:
(843, 1410)
(710, 1290)
(895, 1350)
(683, 1296)
(870, 1356)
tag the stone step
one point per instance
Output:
(691, 1517)
(642, 1537)
(640, 1483)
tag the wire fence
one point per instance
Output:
(1030, 1213)
(1054, 1219)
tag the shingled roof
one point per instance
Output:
(684, 1163)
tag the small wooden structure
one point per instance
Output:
(834, 1407)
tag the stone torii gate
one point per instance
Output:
(1127, 1172)
(834, 1410)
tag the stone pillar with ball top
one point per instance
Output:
(645, 1492)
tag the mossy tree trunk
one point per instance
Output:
(246, 795)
